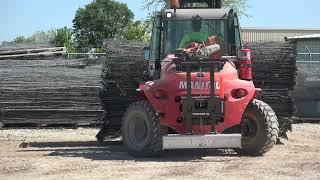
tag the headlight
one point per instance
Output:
(169, 15)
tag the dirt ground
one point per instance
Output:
(74, 154)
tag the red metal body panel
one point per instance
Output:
(173, 84)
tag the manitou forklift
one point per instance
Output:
(202, 95)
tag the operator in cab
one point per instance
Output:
(200, 43)
(195, 36)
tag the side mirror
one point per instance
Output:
(146, 51)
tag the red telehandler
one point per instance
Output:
(201, 94)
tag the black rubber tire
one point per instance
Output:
(260, 129)
(150, 143)
(1, 119)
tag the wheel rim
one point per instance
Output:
(138, 129)
(250, 130)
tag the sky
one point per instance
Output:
(23, 17)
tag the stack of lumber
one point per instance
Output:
(38, 53)
(122, 71)
(274, 70)
(56, 91)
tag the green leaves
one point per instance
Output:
(240, 6)
(64, 38)
(137, 31)
(35, 38)
(99, 20)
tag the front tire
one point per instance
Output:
(141, 131)
(260, 129)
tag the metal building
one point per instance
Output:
(307, 90)
(269, 35)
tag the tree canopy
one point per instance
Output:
(99, 20)
(240, 6)
(137, 31)
(64, 38)
(39, 37)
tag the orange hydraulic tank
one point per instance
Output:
(175, 4)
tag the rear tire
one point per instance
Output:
(260, 129)
(141, 131)
(1, 119)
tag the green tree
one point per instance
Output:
(19, 40)
(37, 37)
(64, 38)
(137, 31)
(99, 20)
(56, 37)
(42, 36)
(240, 6)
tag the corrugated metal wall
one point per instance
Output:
(276, 35)
(307, 90)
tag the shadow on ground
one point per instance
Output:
(114, 150)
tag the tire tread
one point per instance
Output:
(154, 147)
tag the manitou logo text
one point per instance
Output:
(198, 85)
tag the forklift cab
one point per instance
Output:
(170, 27)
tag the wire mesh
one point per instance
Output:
(43, 90)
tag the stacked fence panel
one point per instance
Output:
(56, 91)
(123, 69)
(274, 70)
